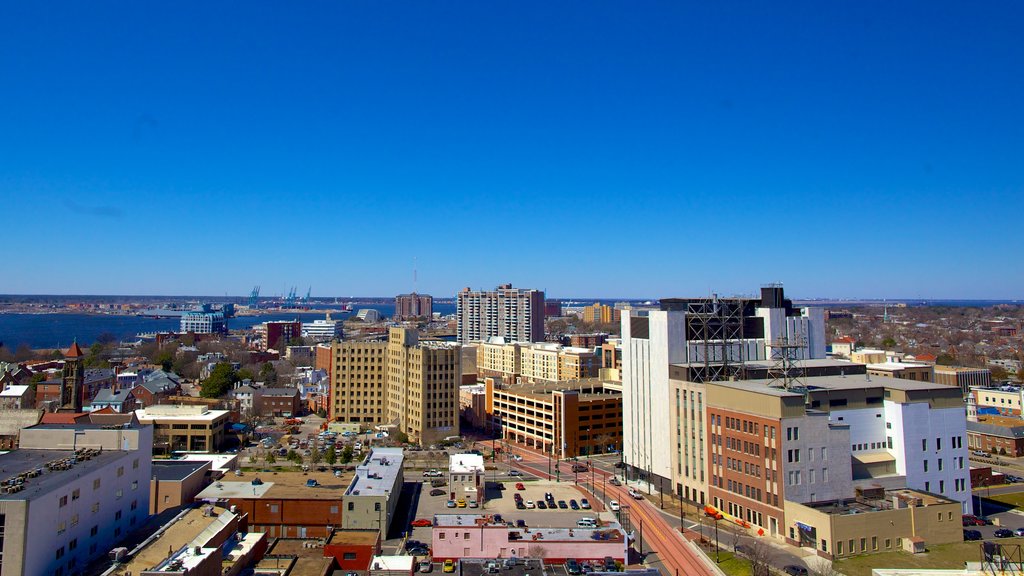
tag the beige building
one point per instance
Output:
(372, 497)
(876, 520)
(473, 405)
(600, 314)
(902, 370)
(422, 386)
(411, 384)
(466, 477)
(543, 362)
(964, 377)
(867, 356)
(184, 428)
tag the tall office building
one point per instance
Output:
(404, 382)
(517, 314)
(413, 306)
(698, 340)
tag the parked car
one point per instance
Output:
(449, 566)
(421, 523)
(574, 505)
(1003, 533)
(420, 551)
(450, 504)
(980, 454)
(610, 565)
(461, 502)
(585, 504)
(520, 486)
(520, 523)
(563, 505)
(437, 492)
(473, 504)
(541, 505)
(514, 473)
(635, 495)
(426, 566)
(972, 535)
(972, 520)
(795, 570)
(573, 567)
(613, 505)
(1018, 532)
(530, 504)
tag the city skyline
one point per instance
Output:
(628, 151)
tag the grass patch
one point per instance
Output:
(942, 556)
(1012, 499)
(732, 565)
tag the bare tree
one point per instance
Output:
(761, 556)
(822, 567)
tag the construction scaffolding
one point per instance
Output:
(786, 370)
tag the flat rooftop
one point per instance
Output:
(377, 475)
(46, 479)
(190, 412)
(172, 537)
(175, 470)
(286, 485)
(608, 531)
(863, 505)
(354, 537)
(851, 382)
(589, 388)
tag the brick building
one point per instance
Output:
(277, 402)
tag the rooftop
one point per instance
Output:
(589, 388)
(14, 391)
(377, 475)
(609, 530)
(895, 366)
(48, 470)
(185, 412)
(172, 537)
(852, 382)
(175, 470)
(284, 485)
(997, 426)
(884, 500)
(354, 537)
(465, 463)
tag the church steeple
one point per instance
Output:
(73, 379)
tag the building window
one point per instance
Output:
(96, 484)
(63, 501)
(76, 494)
(350, 556)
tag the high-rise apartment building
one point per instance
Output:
(203, 322)
(538, 362)
(411, 384)
(413, 306)
(277, 334)
(517, 314)
(600, 314)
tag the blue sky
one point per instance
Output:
(604, 149)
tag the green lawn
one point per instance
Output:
(732, 565)
(1013, 499)
(941, 556)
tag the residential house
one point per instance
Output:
(120, 401)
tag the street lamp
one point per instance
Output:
(718, 558)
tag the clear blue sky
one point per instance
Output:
(627, 149)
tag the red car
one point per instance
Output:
(519, 486)
(422, 522)
(972, 520)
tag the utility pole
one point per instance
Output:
(681, 527)
(718, 557)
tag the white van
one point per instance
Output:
(586, 523)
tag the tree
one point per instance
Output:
(246, 374)
(760, 554)
(346, 454)
(36, 379)
(270, 459)
(999, 374)
(315, 456)
(945, 359)
(94, 357)
(221, 378)
(23, 352)
(165, 358)
(889, 343)
(332, 456)
(268, 374)
(822, 567)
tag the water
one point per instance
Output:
(58, 330)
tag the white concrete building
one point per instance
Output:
(466, 477)
(203, 322)
(323, 330)
(71, 493)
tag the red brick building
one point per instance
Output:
(277, 334)
(353, 549)
(277, 402)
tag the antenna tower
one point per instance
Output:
(786, 371)
(717, 324)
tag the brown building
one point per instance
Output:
(565, 419)
(996, 435)
(413, 306)
(277, 402)
(600, 314)
(901, 370)
(964, 377)
(156, 388)
(277, 334)
(284, 505)
(353, 549)
(587, 340)
(176, 483)
(184, 428)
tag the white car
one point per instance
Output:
(635, 494)
(613, 505)
(530, 504)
